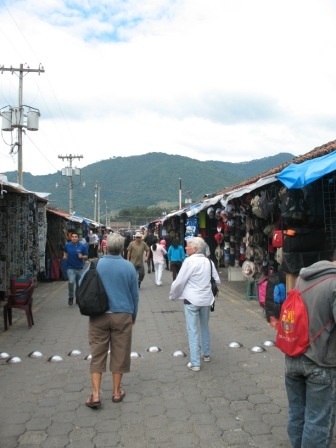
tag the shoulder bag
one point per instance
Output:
(214, 288)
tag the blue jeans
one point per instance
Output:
(141, 272)
(193, 315)
(311, 392)
(73, 278)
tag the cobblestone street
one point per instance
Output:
(236, 400)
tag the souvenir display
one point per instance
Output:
(23, 231)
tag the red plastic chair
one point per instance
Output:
(20, 296)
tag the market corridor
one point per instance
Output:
(236, 400)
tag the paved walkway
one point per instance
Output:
(236, 400)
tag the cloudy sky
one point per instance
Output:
(229, 80)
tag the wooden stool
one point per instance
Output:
(251, 290)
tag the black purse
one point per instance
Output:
(214, 288)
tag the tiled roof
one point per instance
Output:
(316, 152)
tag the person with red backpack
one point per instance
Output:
(310, 375)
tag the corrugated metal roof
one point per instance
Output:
(58, 212)
(17, 188)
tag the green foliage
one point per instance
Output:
(139, 182)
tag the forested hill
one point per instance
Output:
(146, 180)
(246, 170)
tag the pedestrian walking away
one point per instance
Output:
(111, 332)
(193, 286)
(103, 245)
(158, 253)
(135, 254)
(163, 243)
(93, 244)
(310, 378)
(176, 255)
(149, 240)
(75, 254)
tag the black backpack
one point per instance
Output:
(92, 299)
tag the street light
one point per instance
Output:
(188, 200)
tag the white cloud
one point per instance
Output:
(222, 80)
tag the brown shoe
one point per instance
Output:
(118, 398)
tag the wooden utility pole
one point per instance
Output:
(19, 126)
(69, 172)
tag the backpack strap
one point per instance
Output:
(330, 320)
(314, 284)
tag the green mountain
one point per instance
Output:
(246, 170)
(143, 181)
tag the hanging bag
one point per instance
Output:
(214, 288)
(277, 238)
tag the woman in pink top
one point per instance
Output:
(159, 253)
(164, 244)
(103, 245)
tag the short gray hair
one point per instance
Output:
(115, 244)
(198, 243)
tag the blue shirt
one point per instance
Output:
(176, 254)
(120, 281)
(72, 250)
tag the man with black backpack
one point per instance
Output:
(311, 376)
(111, 332)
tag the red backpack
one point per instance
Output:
(293, 329)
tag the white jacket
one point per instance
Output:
(193, 281)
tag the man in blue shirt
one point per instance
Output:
(75, 254)
(111, 332)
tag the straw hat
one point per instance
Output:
(248, 269)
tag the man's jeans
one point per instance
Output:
(311, 392)
(141, 272)
(194, 314)
(73, 278)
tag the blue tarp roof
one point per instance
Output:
(302, 174)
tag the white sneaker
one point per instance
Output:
(206, 358)
(194, 368)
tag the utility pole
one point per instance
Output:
(96, 212)
(69, 172)
(180, 194)
(18, 112)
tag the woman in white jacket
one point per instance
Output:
(192, 285)
(159, 253)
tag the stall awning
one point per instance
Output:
(302, 174)
(196, 208)
(247, 189)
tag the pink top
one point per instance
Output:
(158, 254)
